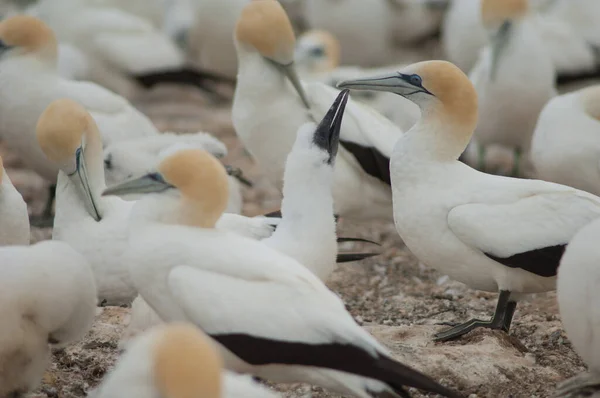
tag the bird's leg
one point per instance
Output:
(517, 162)
(583, 385)
(45, 220)
(501, 320)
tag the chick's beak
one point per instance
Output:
(150, 183)
(327, 134)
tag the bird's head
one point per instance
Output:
(69, 137)
(194, 176)
(186, 364)
(439, 88)
(265, 28)
(24, 34)
(318, 51)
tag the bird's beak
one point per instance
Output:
(289, 71)
(4, 47)
(80, 178)
(327, 134)
(499, 42)
(150, 183)
(238, 174)
(397, 83)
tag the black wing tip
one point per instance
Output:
(273, 214)
(404, 375)
(350, 257)
(362, 240)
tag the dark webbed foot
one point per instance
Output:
(501, 320)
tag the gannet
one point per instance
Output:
(210, 41)
(508, 110)
(125, 159)
(317, 57)
(14, 219)
(178, 259)
(490, 232)
(267, 113)
(47, 296)
(577, 292)
(123, 49)
(29, 82)
(176, 361)
(566, 144)
(464, 36)
(306, 231)
(98, 226)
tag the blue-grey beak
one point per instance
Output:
(499, 42)
(80, 179)
(289, 71)
(398, 83)
(150, 183)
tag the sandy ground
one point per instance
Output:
(395, 297)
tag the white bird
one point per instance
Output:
(490, 232)
(578, 300)
(566, 145)
(464, 36)
(317, 57)
(125, 159)
(123, 49)
(242, 282)
(176, 361)
(306, 231)
(47, 296)
(29, 83)
(210, 41)
(415, 21)
(97, 226)
(583, 16)
(267, 113)
(14, 219)
(509, 109)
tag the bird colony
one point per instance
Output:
(299, 198)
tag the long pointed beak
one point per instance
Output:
(396, 83)
(150, 183)
(81, 180)
(499, 42)
(327, 134)
(290, 72)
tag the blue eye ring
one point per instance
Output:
(317, 51)
(416, 80)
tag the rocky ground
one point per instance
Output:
(397, 299)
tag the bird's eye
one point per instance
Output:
(416, 80)
(317, 52)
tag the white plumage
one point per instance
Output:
(177, 361)
(47, 296)
(566, 144)
(492, 233)
(267, 112)
(14, 219)
(577, 291)
(29, 83)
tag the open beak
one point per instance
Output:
(327, 134)
(289, 71)
(499, 42)
(396, 82)
(150, 183)
(81, 181)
